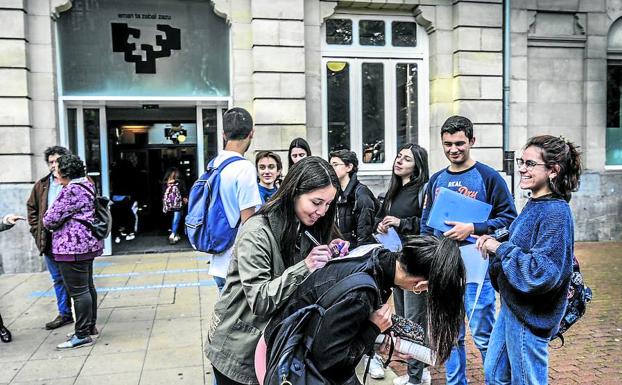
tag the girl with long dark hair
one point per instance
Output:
(298, 149)
(350, 327)
(532, 270)
(271, 258)
(402, 209)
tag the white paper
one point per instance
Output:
(219, 263)
(361, 250)
(390, 240)
(418, 352)
(476, 268)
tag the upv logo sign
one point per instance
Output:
(124, 39)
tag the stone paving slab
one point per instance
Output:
(154, 312)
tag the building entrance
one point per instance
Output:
(128, 147)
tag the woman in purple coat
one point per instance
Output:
(74, 246)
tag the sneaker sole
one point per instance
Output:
(77, 347)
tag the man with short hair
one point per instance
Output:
(42, 196)
(238, 182)
(479, 181)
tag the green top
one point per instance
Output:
(257, 285)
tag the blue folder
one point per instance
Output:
(452, 206)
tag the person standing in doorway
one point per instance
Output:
(481, 182)
(298, 149)
(174, 197)
(238, 182)
(43, 194)
(269, 168)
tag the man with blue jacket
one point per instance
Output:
(479, 181)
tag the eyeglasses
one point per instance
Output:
(529, 164)
(337, 164)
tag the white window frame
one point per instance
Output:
(356, 54)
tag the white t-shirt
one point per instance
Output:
(238, 191)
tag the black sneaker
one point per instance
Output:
(58, 322)
(5, 334)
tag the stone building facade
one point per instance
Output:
(363, 74)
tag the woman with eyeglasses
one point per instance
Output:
(402, 209)
(532, 270)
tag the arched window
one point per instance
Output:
(614, 95)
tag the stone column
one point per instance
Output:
(278, 59)
(477, 74)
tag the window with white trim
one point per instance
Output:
(375, 88)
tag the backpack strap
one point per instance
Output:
(360, 280)
(225, 162)
(421, 194)
(87, 189)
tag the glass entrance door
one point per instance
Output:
(87, 137)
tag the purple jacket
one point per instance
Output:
(71, 240)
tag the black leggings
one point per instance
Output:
(78, 278)
(221, 379)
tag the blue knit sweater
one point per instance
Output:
(532, 270)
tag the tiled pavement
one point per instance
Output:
(154, 311)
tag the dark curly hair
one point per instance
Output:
(55, 150)
(563, 157)
(71, 166)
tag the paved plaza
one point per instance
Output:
(154, 311)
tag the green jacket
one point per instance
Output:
(257, 285)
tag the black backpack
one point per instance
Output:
(102, 223)
(579, 294)
(291, 341)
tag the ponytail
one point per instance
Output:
(564, 156)
(439, 260)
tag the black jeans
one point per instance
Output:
(78, 277)
(221, 379)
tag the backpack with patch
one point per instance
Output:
(172, 199)
(290, 343)
(102, 222)
(206, 223)
(579, 295)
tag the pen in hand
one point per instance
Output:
(335, 253)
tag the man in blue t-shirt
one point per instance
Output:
(479, 181)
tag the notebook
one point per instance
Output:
(452, 206)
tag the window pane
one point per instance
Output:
(338, 104)
(371, 32)
(406, 101)
(210, 134)
(72, 130)
(373, 112)
(91, 138)
(404, 34)
(613, 137)
(339, 31)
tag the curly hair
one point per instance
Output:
(71, 166)
(565, 158)
(55, 150)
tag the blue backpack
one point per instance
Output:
(206, 223)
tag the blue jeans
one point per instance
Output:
(176, 220)
(481, 327)
(220, 284)
(62, 296)
(515, 355)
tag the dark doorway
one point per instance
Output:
(143, 145)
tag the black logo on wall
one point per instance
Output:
(121, 33)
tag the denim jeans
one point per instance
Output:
(415, 308)
(78, 277)
(220, 284)
(481, 327)
(515, 355)
(62, 296)
(176, 221)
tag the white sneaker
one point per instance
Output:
(376, 370)
(130, 237)
(117, 240)
(426, 379)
